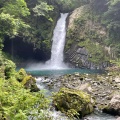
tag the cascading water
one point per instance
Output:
(58, 43)
(59, 34)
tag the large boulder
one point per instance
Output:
(73, 102)
(30, 83)
(114, 105)
(21, 74)
(27, 80)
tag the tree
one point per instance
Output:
(112, 19)
(18, 8)
(11, 22)
(99, 6)
(42, 9)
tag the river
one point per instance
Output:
(41, 83)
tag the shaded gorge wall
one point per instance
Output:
(20, 49)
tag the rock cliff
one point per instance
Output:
(84, 38)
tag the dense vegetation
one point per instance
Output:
(33, 22)
(36, 20)
(108, 14)
(16, 102)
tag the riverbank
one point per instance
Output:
(102, 88)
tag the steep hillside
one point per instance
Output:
(89, 43)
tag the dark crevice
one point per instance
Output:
(18, 48)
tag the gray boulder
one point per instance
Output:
(114, 105)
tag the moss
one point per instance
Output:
(9, 68)
(30, 83)
(21, 74)
(67, 100)
(26, 79)
(96, 51)
(2, 74)
(69, 44)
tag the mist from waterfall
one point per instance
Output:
(57, 50)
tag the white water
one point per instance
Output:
(57, 115)
(58, 43)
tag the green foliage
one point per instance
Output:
(72, 113)
(42, 9)
(42, 21)
(18, 8)
(95, 50)
(16, 103)
(112, 19)
(8, 25)
(1, 45)
(2, 74)
(9, 68)
(69, 5)
(26, 78)
(11, 23)
(21, 74)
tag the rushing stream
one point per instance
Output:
(41, 83)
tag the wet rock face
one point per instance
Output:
(113, 106)
(73, 102)
(79, 57)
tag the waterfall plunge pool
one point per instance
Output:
(59, 72)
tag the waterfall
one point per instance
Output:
(57, 50)
(58, 43)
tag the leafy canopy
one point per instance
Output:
(42, 9)
(11, 18)
(18, 8)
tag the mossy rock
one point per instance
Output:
(69, 100)
(30, 83)
(21, 74)
(27, 80)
